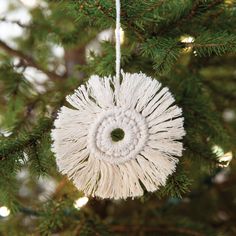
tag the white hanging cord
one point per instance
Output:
(117, 32)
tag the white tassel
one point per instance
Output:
(147, 154)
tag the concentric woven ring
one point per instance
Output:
(100, 141)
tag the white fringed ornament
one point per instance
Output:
(153, 127)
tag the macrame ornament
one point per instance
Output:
(137, 109)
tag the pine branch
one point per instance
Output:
(199, 45)
(130, 25)
(163, 51)
(196, 9)
(154, 6)
(17, 145)
(29, 61)
(209, 43)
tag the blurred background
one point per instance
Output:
(48, 48)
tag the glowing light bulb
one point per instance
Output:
(4, 211)
(187, 39)
(218, 150)
(80, 202)
(225, 158)
(122, 35)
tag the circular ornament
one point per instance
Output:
(118, 140)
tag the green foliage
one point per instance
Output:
(219, 43)
(40, 158)
(15, 90)
(200, 74)
(52, 218)
(13, 82)
(177, 185)
(56, 216)
(164, 53)
(13, 157)
(93, 227)
(104, 64)
(8, 184)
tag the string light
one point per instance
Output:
(4, 211)
(122, 36)
(224, 158)
(218, 150)
(80, 202)
(187, 39)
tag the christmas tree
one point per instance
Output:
(49, 48)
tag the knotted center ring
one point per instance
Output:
(135, 135)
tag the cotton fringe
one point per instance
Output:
(147, 155)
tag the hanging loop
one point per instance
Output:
(117, 33)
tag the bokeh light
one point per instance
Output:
(4, 211)
(80, 202)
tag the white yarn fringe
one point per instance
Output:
(147, 154)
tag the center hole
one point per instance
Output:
(117, 135)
